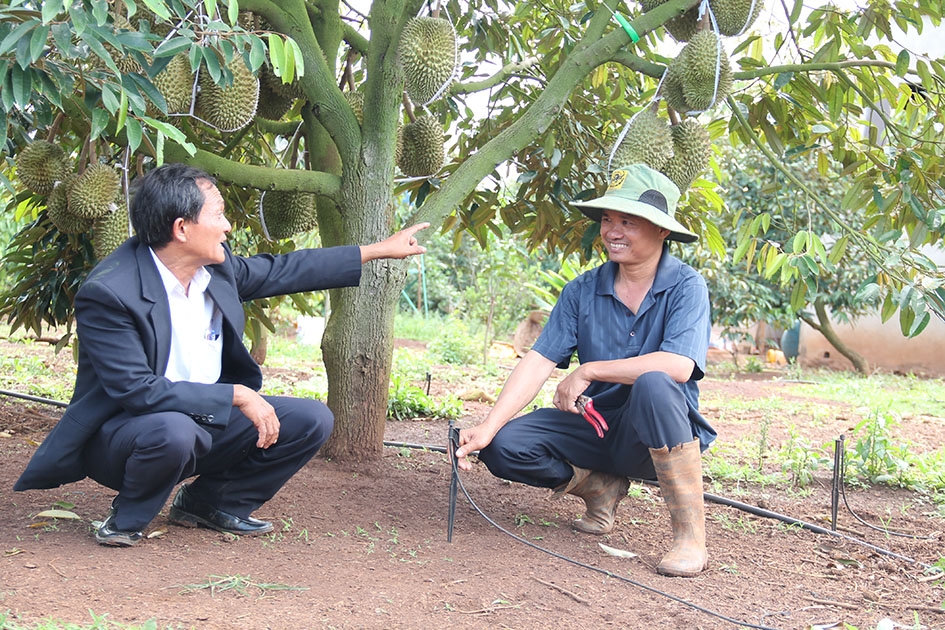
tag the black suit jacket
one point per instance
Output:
(123, 324)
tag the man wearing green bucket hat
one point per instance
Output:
(640, 326)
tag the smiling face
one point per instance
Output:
(205, 236)
(630, 239)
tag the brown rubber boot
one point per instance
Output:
(679, 472)
(601, 493)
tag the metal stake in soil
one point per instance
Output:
(453, 441)
(838, 454)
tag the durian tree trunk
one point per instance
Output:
(357, 349)
(824, 327)
(358, 343)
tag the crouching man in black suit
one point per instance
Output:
(165, 388)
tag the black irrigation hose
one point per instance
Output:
(843, 493)
(46, 401)
(696, 607)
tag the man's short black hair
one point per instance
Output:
(161, 197)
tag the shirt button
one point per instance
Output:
(632, 333)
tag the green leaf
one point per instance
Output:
(14, 36)
(800, 242)
(100, 11)
(799, 296)
(211, 7)
(902, 63)
(257, 52)
(109, 99)
(159, 8)
(80, 19)
(233, 11)
(796, 11)
(782, 79)
(100, 118)
(133, 128)
(868, 293)
(22, 85)
(297, 58)
(906, 319)
(38, 42)
(276, 53)
(288, 71)
(173, 46)
(51, 9)
(122, 111)
(171, 132)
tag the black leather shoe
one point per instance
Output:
(106, 533)
(189, 512)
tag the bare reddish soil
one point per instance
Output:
(367, 547)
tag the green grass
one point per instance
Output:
(99, 622)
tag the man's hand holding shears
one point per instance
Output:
(569, 397)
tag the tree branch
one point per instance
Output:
(261, 177)
(504, 73)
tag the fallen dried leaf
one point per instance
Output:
(66, 514)
(620, 553)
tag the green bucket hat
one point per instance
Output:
(643, 192)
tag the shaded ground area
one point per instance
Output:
(368, 548)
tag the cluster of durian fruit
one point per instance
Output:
(698, 79)
(91, 202)
(227, 107)
(701, 75)
(428, 58)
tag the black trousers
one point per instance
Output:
(539, 448)
(144, 457)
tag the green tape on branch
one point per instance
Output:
(622, 21)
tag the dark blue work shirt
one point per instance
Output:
(674, 317)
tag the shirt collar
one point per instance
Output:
(199, 282)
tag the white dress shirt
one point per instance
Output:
(196, 328)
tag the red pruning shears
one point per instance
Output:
(586, 406)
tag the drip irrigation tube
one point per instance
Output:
(45, 401)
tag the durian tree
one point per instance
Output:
(460, 107)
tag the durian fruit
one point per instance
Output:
(110, 231)
(682, 27)
(672, 91)
(228, 107)
(126, 63)
(692, 149)
(275, 97)
(428, 56)
(57, 208)
(286, 213)
(423, 151)
(698, 64)
(356, 101)
(40, 165)
(155, 24)
(734, 16)
(276, 84)
(94, 192)
(272, 105)
(176, 84)
(648, 141)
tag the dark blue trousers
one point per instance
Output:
(538, 448)
(144, 457)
